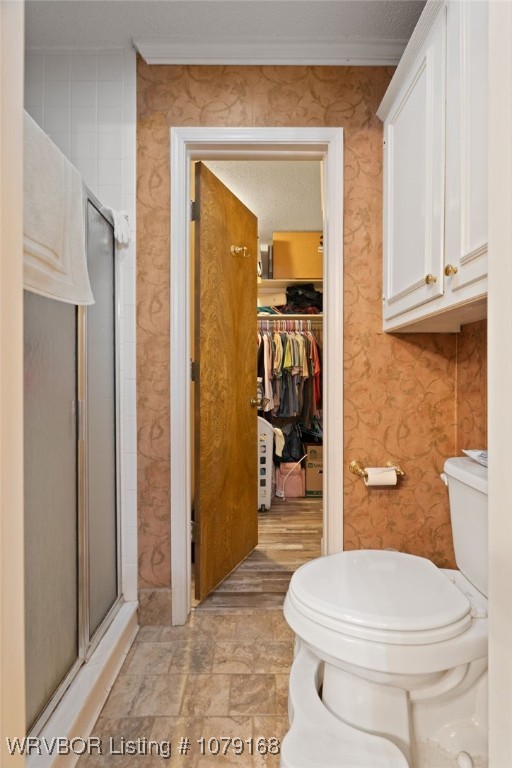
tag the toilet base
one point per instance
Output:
(353, 723)
(318, 738)
(429, 754)
(455, 720)
(368, 706)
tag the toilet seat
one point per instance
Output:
(381, 596)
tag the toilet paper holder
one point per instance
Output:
(357, 468)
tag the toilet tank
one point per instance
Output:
(467, 488)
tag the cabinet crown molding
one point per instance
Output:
(418, 37)
(290, 52)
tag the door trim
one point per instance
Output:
(12, 550)
(192, 143)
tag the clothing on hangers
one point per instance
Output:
(289, 361)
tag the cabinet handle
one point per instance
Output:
(450, 270)
(430, 279)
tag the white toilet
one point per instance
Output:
(391, 651)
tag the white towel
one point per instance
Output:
(279, 441)
(55, 261)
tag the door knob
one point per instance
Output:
(450, 270)
(236, 250)
(430, 279)
(259, 401)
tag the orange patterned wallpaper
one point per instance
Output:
(472, 386)
(400, 392)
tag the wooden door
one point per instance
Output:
(225, 493)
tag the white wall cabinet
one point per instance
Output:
(435, 173)
(414, 145)
(466, 142)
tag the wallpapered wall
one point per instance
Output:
(401, 393)
(472, 386)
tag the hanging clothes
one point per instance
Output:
(289, 361)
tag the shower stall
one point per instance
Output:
(72, 541)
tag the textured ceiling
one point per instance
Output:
(114, 23)
(284, 194)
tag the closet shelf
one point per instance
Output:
(285, 282)
(265, 316)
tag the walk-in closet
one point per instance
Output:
(283, 353)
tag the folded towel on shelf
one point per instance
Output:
(272, 299)
(54, 260)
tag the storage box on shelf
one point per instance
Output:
(297, 259)
(298, 255)
(435, 173)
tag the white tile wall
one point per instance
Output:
(85, 101)
(84, 66)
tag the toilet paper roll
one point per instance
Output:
(380, 476)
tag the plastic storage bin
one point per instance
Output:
(265, 454)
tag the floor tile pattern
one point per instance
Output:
(223, 674)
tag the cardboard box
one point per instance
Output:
(296, 255)
(314, 469)
(315, 451)
(314, 478)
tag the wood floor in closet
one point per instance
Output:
(290, 534)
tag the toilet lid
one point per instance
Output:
(381, 595)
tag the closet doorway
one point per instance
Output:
(223, 434)
(272, 210)
(189, 144)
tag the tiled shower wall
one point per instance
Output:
(85, 101)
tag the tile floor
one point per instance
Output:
(225, 673)
(221, 675)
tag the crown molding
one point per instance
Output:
(425, 23)
(271, 52)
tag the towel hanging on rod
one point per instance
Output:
(54, 255)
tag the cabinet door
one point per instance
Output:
(466, 137)
(414, 135)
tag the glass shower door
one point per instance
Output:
(51, 498)
(101, 437)
(71, 476)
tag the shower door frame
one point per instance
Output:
(86, 644)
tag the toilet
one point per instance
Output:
(390, 666)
